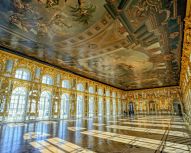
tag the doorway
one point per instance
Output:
(131, 109)
(177, 108)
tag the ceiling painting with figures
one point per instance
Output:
(132, 44)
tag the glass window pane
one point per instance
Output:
(47, 80)
(17, 106)
(44, 105)
(23, 74)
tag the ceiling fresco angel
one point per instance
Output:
(127, 44)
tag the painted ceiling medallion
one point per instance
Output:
(127, 44)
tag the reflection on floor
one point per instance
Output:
(137, 134)
(151, 124)
(138, 141)
(155, 121)
(148, 130)
(76, 128)
(58, 145)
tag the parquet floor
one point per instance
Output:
(138, 134)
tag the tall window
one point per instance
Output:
(114, 102)
(79, 106)
(100, 102)
(23, 74)
(64, 109)
(2, 106)
(80, 101)
(91, 106)
(80, 87)
(45, 105)
(17, 106)
(119, 107)
(46, 79)
(107, 102)
(66, 84)
(108, 106)
(91, 102)
(2, 103)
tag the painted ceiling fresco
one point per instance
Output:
(129, 44)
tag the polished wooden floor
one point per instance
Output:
(138, 134)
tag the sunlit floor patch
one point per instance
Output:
(154, 121)
(57, 145)
(88, 118)
(16, 124)
(97, 124)
(76, 128)
(112, 121)
(148, 130)
(70, 120)
(139, 141)
(48, 122)
(155, 125)
(160, 118)
(34, 135)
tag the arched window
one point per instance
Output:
(64, 109)
(23, 74)
(46, 79)
(113, 94)
(17, 105)
(91, 106)
(114, 102)
(2, 104)
(107, 93)
(80, 87)
(108, 102)
(79, 106)
(91, 102)
(100, 102)
(45, 105)
(66, 84)
(119, 104)
(91, 90)
(107, 106)
(9, 65)
(100, 92)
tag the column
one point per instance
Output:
(86, 101)
(116, 105)
(111, 104)
(96, 101)
(73, 100)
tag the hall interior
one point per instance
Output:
(105, 76)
